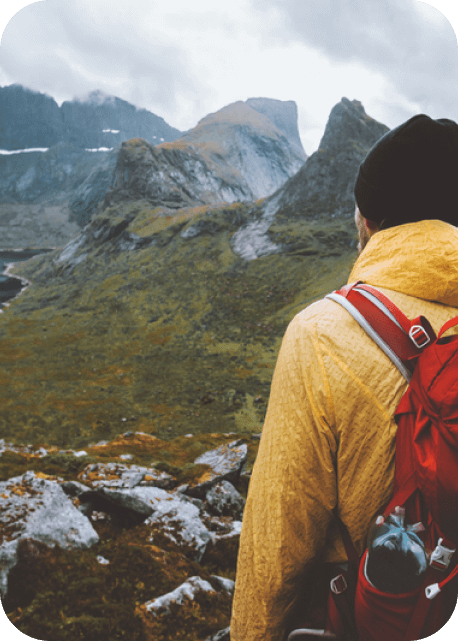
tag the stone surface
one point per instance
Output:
(321, 189)
(223, 499)
(283, 114)
(186, 591)
(179, 520)
(35, 507)
(116, 475)
(226, 463)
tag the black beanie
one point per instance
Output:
(411, 174)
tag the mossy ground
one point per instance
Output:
(64, 595)
(178, 338)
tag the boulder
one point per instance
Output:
(179, 520)
(226, 463)
(223, 499)
(173, 514)
(116, 475)
(33, 506)
(186, 591)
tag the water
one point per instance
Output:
(9, 285)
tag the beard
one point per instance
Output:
(363, 239)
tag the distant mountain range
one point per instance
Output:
(29, 119)
(242, 152)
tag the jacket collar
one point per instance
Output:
(419, 259)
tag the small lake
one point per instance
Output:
(9, 285)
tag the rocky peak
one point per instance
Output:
(283, 114)
(325, 183)
(347, 122)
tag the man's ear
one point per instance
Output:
(370, 225)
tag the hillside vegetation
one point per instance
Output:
(180, 336)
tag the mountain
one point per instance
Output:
(325, 184)
(235, 154)
(30, 119)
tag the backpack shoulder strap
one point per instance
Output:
(401, 339)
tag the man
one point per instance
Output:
(328, 441)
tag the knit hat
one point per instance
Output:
(411, 174)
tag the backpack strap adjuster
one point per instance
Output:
(419, 336)
(441, 556)
(338, 584)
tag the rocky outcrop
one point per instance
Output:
(33, 120)
(321, 189)
(236, 154)
(90, 191)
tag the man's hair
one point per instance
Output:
(411, 174)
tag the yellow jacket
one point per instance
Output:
(329, 435)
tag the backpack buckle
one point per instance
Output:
(419, 336)
(441, 556)
(338, 584)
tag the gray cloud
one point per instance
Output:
(390, 37)
(68, 49)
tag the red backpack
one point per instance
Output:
(425, 483)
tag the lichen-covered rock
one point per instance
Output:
(226, 463)
(179, 520)
(185, 591)
(223, 499)
(196, 609)
(116, 475)
(35, 507)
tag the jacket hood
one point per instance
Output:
(418, 259)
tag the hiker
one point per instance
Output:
(328, 442)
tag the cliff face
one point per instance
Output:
(322, 190)
(235, 154)
(283, 114)
(49, 177)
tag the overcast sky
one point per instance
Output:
(182, 59)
